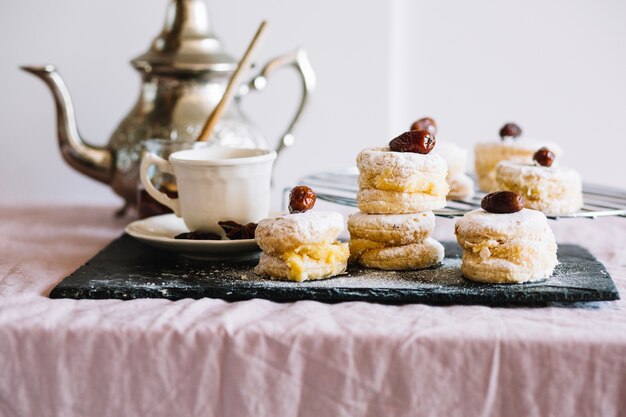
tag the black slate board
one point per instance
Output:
(127, 269)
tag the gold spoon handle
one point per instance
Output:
(234, 82)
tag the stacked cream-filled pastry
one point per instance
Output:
(544, 184)
(399, 186)
(511, 148)
(503, 242)
(302, 245)
(461, 186)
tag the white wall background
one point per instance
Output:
(558, 68)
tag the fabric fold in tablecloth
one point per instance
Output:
(258, 358)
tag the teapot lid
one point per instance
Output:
(186, 43)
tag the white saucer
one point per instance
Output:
(159, 232)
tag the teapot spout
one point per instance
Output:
(93, 161)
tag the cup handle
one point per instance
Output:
(147, 161)
(300, 62)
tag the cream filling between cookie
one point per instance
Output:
(358, 246)
(517, 251)
(538, 190)
(329, 254)
(424, 183)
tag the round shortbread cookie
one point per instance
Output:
(382, 161)
(511, 247)
(276, 268)
(461, 187)
(392, 229)
(553, 190)
(526, 261)
(285, 233)
(412, 256)
(393, 202)
(487, 156)
(479, 225)
(454, 155)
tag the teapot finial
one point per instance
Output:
(186, 43)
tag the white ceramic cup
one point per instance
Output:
(215, 184)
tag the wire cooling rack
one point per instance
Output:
(340, 186)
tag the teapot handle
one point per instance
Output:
(299, 60)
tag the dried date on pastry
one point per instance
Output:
(198, 236)
(425, 123)
(544, 157)
(502, 202)
(417, 141)
(510, 130)
(236, 231)
(301, 199)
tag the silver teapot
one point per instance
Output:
(184, 74)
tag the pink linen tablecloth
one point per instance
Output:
(258, 358)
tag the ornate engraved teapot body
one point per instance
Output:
(184, 75)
